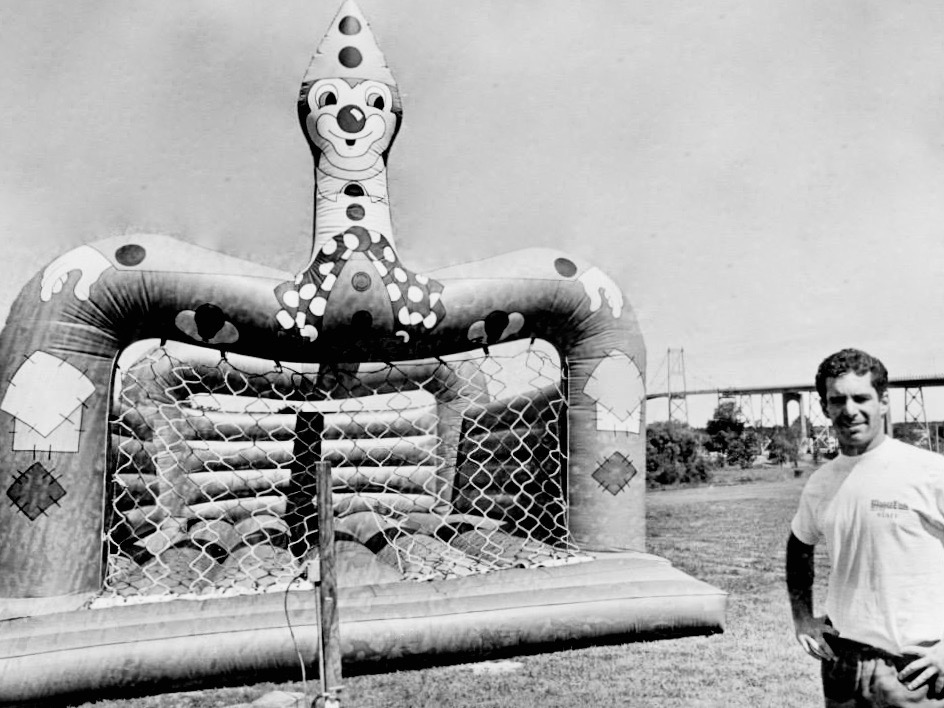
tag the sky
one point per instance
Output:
(763, 180)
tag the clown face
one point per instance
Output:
(351, 123)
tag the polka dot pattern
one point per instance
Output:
(349, 25)
(350, 57)
(285, 319)
(355, 212)
(351, 241)
(360, 281)
(565, 267)
(130, 254)
(415, 300)
(363, 238)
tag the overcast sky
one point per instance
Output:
(764, 180)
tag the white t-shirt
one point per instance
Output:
(881, 515)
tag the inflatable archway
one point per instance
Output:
(485, 423)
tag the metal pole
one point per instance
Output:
(668, 381)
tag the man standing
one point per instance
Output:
(879, 507)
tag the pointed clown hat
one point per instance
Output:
(348, 51)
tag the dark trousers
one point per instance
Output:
(864, 676)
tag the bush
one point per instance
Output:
(744, 449)
(784, 447)
(674, 455)
(728, 435)
(725, 429)
(912, 433)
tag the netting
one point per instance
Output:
(440, 468)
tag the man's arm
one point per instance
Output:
(800, 573)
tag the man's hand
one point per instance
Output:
(810, 630)
(928, 668)
(810, 633)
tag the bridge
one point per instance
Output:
(802, 394)
(730, 391)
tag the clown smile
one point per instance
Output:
(346, 137)
(360, 142)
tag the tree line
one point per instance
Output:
(677, 453)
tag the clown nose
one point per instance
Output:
(351, 119)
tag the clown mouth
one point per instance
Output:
(346, 137)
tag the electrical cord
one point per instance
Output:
(291, 631)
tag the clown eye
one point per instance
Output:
(328, 98)
(377, 97)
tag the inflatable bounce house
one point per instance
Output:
(160, 405)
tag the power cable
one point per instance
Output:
(291, 631)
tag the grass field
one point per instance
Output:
(730, 535)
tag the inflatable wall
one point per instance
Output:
(160, 405)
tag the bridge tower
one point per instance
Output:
(820, 427)
(914, 413)
(768, 411)
(788, 398)
(676, 386)
(745, 404)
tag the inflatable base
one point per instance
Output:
(147, 648)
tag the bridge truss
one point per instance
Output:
(813, 422)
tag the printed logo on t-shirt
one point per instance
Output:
(888, 509)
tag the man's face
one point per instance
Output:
(857, 411)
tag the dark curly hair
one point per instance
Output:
(855, 361)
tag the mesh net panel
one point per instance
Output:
(440, 468)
